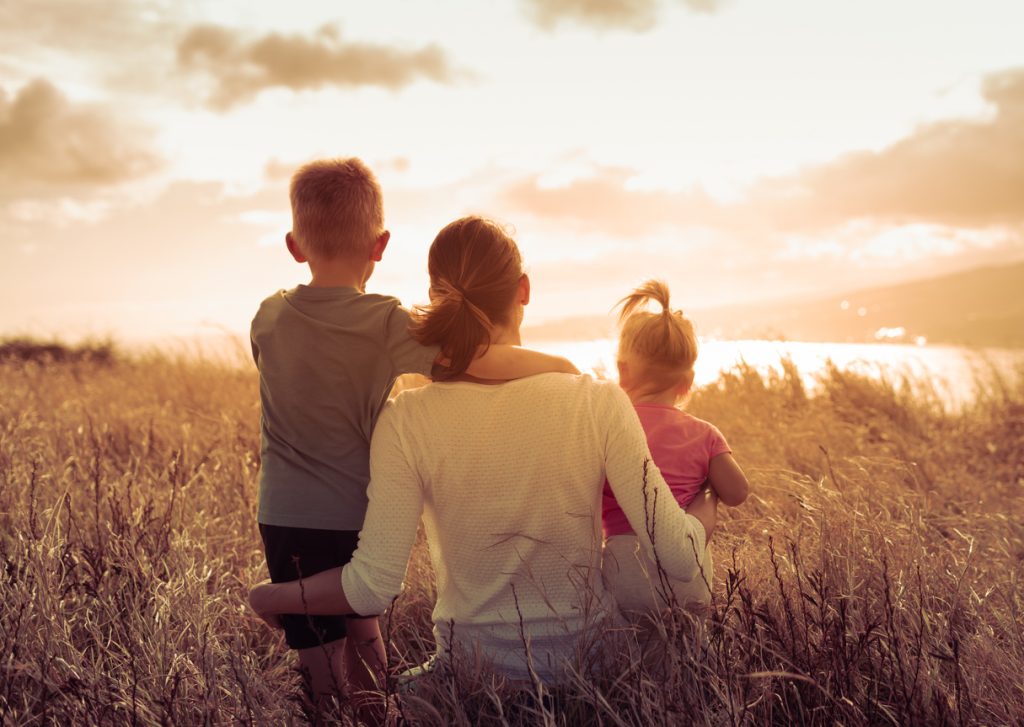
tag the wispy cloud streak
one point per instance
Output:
(240, 67)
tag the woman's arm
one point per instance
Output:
(675, 538)
(372, 579)
(728, 480)
(316, 595)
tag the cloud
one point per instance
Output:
(276, 170)
(80, 26)
(120, 43)
(963, 174)
(703, 6)
(958, 172)
(48, 142)
(145, 266)
(603, 202)
(635, 15)
(629, 14)
(240, 68)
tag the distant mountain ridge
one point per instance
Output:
(978, 307)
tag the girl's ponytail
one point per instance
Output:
(655, 290)
(664, 342)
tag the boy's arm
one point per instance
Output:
(728, 480)
(514, 362)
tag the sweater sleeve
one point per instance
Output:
(670, 536)
(373, 577)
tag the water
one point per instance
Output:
(954, 373)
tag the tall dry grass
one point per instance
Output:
(874, 576)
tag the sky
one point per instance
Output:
(742, 150)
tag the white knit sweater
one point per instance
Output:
(508, 481)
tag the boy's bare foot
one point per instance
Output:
(259, 599)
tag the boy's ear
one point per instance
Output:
(377, 251)
(293, 248)
(524, 289)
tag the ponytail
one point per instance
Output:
(655, 290)
(474, 269)
(665, 342)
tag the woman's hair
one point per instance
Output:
(664, 343)
(475, 268)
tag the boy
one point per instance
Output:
(327, 355)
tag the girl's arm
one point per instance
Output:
(728, 480)
(372, 579)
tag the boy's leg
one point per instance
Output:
(364, 667)
(364, 653)
(319, 640)
(324, 668)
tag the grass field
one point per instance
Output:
(873, 577)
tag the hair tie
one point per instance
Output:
(458, 296)
(449, 291)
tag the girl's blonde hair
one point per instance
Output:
(664, 344)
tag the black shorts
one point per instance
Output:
(295, 552)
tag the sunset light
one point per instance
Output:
(512, 362)
(744, 151)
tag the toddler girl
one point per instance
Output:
(656, 355)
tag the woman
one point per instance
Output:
(507, 477)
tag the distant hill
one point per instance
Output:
(979, 307)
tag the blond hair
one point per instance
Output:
(337, 208)
(663, 344)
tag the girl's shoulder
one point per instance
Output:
(711, 434)
(675, 418)
(694, 421)
(701, 425)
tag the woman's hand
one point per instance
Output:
(260, 600)
(704, 507)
